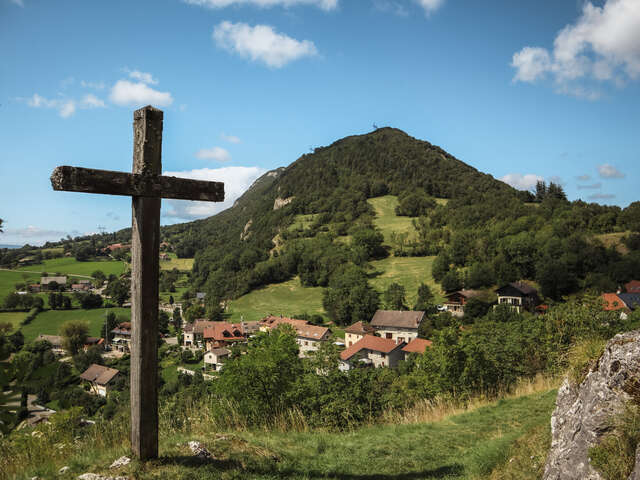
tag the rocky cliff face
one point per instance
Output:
(583, 412)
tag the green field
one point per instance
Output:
(613, 240)
(409, 272)
(8, 279)
(469, 445)
(49, 321)
(288, 298)
(70, 266)
(182, 264)
(302, 221)
(387, 220)
(14, 318)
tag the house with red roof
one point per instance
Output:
(612, 302)
(222, 334)
(417, 345)
(373, 351)
(308, 337)
(633, 286)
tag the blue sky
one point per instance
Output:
(521, 90)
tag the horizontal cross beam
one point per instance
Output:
(89, 180)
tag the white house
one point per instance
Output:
(309, 337)
(355, 332)
(374, 351)
(99, 377)
(215, 358)
(400, 326)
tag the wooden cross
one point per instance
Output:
(146, 187)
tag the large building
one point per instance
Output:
(122, 337)
(396, 325)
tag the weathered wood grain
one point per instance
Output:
(90, 180)
(145, 248)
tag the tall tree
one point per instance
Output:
(394, 297)
(74, 336)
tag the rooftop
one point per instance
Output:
(370, 342)
(417, 345)
(99, 374)
(397, 318)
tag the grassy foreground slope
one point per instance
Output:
(465, 446)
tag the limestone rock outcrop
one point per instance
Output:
(584, 412)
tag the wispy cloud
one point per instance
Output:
(230, 138)
(583, 178)
(391, 6)
(92, 85)
(593, 186)
(143, 77)
(601, 46)
(20, 3)
(126, 93)
(609, 171)
(601, 196)
(430, 6)
(34, 235)
(236, 181)
(218, 154)
(522, 182)
(261, 43)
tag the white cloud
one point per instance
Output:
(323, 4)
(34, 235)
(218, 154)
(91, 101)
(67, 108)
(143, 77)
(593, 186)
(261, 44)
(609, 171)
(93, 85)
(532, 63)
(230, 138)
(522, 182)
(601, 196)
(390, 6)
(126, 93)
(20, 3)
(236, 181)
(602, 45)
(430, 6)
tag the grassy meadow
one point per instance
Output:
(387, 220)
(49, 321)
(70, 266)
(14, 318)
(288, 298)
(409, 272)
(182, 264)
(475, 444)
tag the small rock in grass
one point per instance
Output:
(63, 470)
(199, 450)
(121, 462)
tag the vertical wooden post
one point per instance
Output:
(145, 246)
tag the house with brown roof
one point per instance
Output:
(309, 338)
(99, 377)
(373, 351)
(400, 326)
(194, 333)
(272, 321)
(47, 283)
(93, 342)
(214, 359)
(519, 296)
(55, 341)
(457, 300)
(356, 331)
(417, 345)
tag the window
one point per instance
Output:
(400, 339)
(389, 335)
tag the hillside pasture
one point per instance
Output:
(287, 298)
(182, 264)
(613, 240)
(302, 222)
(387, 220)
(70, 266)
(409, 272)
(9, 278)
(14, 318)
(49, 321)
